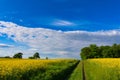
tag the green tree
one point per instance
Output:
(7, 57)
(115, 50)
(18, 55)
(31, 57)
(105, 51)
(36, 55)
(46, 57)
(93, 51)
(85, 53)
(118, 50)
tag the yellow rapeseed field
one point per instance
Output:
(7, 67)
(20, 69)
(102, 69)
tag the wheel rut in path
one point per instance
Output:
(83, 72)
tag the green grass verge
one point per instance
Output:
(77, 73)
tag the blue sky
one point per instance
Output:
(97, 14)
(67, 24)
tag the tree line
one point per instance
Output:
(19, 56)
(94, 51)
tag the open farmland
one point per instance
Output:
(102, 69)
(28, 69)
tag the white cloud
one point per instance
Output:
(63, 23)
(58, 43)
(5, 45)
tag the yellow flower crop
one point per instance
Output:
(102, 69)
(19, 69)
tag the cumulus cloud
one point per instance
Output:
(57, 43)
